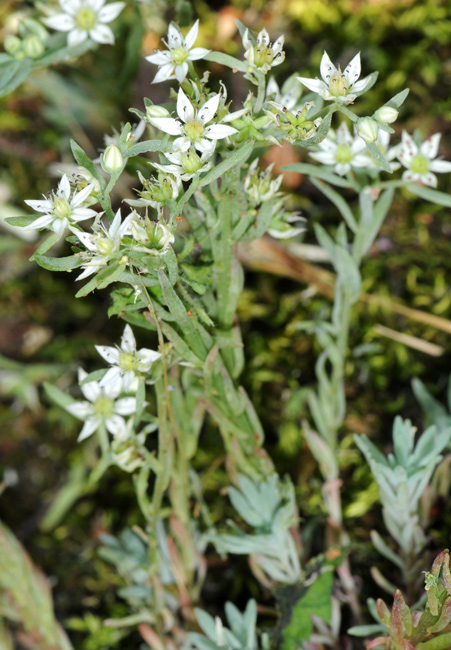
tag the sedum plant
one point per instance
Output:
(169, 258)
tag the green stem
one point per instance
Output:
(261, 92)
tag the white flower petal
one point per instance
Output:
(164, 73)
(263, 37)
(219, 131)
(185, 109)
(76, 36)
(88, 241)
(208, 110)
(191, 36)
(353, 70)
(181, 71)
(91, 390)
(59, 225)
(60, 22)
(359, 86)
(102, 34)
(80, 410)
(429, 179)
(440, 166)
(326, 69)
(316, 85)
(110, 12)
(115, 424)
(80, 214)
(430, 146)
(125, 406)
(324, 157)
(167, 125)
(70, 7)
(110, 354)
(40, 206)
(128, 341)
(198, 53)
(64, 188)
(91, 425)
(113, 388)
(147, 357)
(112, 375)
(81, 196)
(175, 38)
(181, 144)
(160, 58)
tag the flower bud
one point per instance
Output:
(367, 129)
(112, 161)
(386, 114)
(33, 47)
(12, 44)
(191, 162)
(156, 111)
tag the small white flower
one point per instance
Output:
(85, 18)
(174, 61)
(260, 185)
(157, 192)
(126, 361)
(102, 407)
(264, 55)
(288, 96)
(196, 127)
(154, 235)
(337, 85)
(342, 151)
(185, 165)
(102, 244)
(60, 210)
(283, 226)
(419, 161)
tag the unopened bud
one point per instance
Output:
(191, 162)
(112, 161)
(33, 47)
(156, 111)
(12, 44)
(367, 129)
(386, 114)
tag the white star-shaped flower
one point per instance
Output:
(174, 61)
(126, 361)
(102, 407)
(342, 151)
(102, 244)
(335, 84)
(264, 55)
(84, 19)
(195, 126)
(419, 161)
(60, 209)
(185, 165)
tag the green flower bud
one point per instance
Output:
(112, 160)
(386, 114)
(156, 111)
(191, 162)
(33, 47)
(367, 129)
(12, 44)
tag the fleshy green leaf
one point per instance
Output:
(229, 61)
(58, 263)
(317, 601)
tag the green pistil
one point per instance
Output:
(343, 154)
(419, 164)
(86, 19)
(104, 407)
